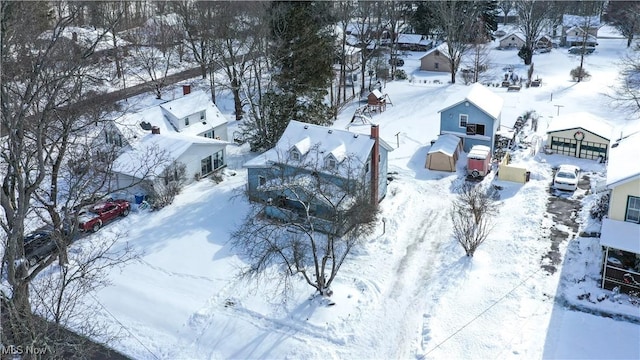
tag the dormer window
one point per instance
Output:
(295, 155)
(186, 121)
(331, 163)
(203, 116)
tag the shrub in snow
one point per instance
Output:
(400, 74)
(601, 207)
(472, 212)
(579, 73)
(163, 190)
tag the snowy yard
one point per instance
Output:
(409, 292)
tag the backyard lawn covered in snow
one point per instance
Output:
(409, 291)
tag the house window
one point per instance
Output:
(186, 121)
(209, 134)
(331, 163)
(475, 129)
(295, 155)
(218, 159)
(633, 209)
(262, 180)
(366, 168)
(113, 138)
(206, 166)
(203, 115)
(436, 65)
(463, 120)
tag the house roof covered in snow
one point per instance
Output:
(322, 141)
(442, 48)
(481, 97)
(413, 39)
(153, 147)
(131, 128)
(87, 37)
(569, 20)
(517, 34)
(584, 120)
(623, 164)
(446, 144)
(622, 235)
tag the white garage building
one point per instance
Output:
(582, 135)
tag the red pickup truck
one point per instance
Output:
(99, 214)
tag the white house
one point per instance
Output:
(577, 30)
(189, 130)
(514, 40)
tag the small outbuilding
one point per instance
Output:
(376, 101)
(444, 153)
(582, 135)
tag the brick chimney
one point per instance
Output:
(155, 130)
(186, 89)
(375, 163)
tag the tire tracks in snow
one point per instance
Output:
(407, 293)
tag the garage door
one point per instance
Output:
(593, 150)
(564, 146)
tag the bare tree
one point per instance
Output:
(533, 17)
(313, 222)
(153, 53)
(588, 21)
(506, 7)
(457, 20)
(624, 16)
(471, 213)
(396, 15)
(164, 190)
(626, 95)
(367, 28)
(344, 11)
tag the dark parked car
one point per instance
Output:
(398, 62)
(99, 214)
(39, 245)
(577, 50)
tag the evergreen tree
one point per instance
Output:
(301, 54)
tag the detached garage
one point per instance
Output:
(581, 135)
(444, 153)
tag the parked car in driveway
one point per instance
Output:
(39, 245)
(567, 178)
(577, 50)
(99, 214)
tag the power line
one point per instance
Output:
(482, 313)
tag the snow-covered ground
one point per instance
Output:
(409, 292)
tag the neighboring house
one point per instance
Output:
(545, 42)
(190, 130)
(436, 59)
(620, 233)
(510, 18)
(81, 39)
(581, 134)
(414, 42)
(306, 149)
(512, 40)
(575, 28)
(444, 153)
(475, 117)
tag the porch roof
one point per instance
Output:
(621, 235)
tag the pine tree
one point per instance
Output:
(302, 53)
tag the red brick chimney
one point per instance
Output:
(186, 89)
(375, 163)
(155, 130)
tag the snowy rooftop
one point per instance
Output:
(516, 34)
(169, 146)
(623, 160)
(412, 39)
(479, 152)
(585, 120)
(622, 235)
(308, 138)
(446, 144)
(483, 98)
(442, 48)
(87, 36)
(196, 101)
(581, 21)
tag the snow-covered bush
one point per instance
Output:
(579, 73)
(600, 208)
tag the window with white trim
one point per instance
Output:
(203, 116)
(209, 134)
(295, 155)
(331, 163)
(633, 209)
(463, 120)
